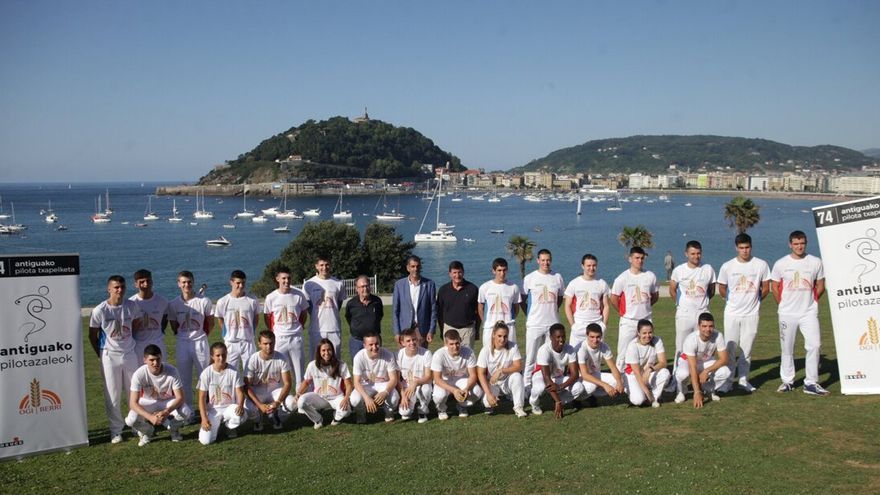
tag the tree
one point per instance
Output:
(385, 254)
(742, 213)
(636, 236)
(521, 248)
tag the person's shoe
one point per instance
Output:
(335, 422)
(462, 412)
(176, 436)
(318, 426)
(116, 438)
(785, 387)
(680, 398)
(655, 404)
(715, 397)
(423, 418)
(231, 433)
(143, 440)
(490, 411)
(442, 416)
(277, 424)
(746, 386)
(389, 417)
(816, 389)
(536, 410)
(405, 417)
(258, 426)
(520, 413)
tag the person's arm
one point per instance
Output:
(440, 308)
(673, 286)
(93, 339)
(249, 390)
(395, 315)
(267, 319)
(174, 326)
(482, 375)
(440, 382)
(696, 383)
(134, 405)
(618, 378)
(640, 379)
(239, 401)
(588, 377)
(345, 403)
(392, 384)
(819, 288)
(286, 386)
(655, 296)
(432, 329)
(614, 299)
(774, 286)
(472, 379)
(481, 308)
(553, 390)
(303, 386)
(203, 410)
(369, 401)
(572, 375)
(722, 290)
(164, 324)
(606, 309)
(348, 310)
(723, 359)
(569, 314)
(765, 289)
(515, 367)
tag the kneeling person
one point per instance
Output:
(326, 385)
(156, 398)
(375, 380)
(268, 380)
(590, 355)
(556, 373)
(455, 373)
(221, 397)
(705, 372)
(499, 367)
(646, 373)
(416, 381)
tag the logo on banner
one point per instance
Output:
(34, 304)
(870, 340)
(858, 375)
(868, 250)
(15, 442)
(39, 400)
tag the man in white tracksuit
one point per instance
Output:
(375, 380)
(416, 385)
(156, 398)
(704, 362)
(499, 368)
(544, 291)
(633, 293)
(190, 317)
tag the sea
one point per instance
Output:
(121, 246)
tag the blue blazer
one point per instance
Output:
(402, 311)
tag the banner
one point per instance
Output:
(42, 374)
(849, 238)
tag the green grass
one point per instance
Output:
(760, 443)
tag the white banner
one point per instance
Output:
(42, 374)
(849, 238)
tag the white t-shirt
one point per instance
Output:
(325, 297)
(587, 299)
(285, 311)
(153, 309)
(542, 291)
(190, 317)
(557, 361)
(374, 370)
(499, 302)
(692, 292)
(239, 317)
(493, 360)
(593, 358)
(115, 323)
(325, 385)
(156, 387)
(703, 351)
(220, 386)
(643, 355)
(451, 368)
(797, 280)
(265, 375)
(743, 281)
(412, 368)
(634, 292)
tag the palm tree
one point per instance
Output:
(521, 248)
(636, 236)
(742, 213)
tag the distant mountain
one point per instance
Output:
(337, 147)
(872, 152)
(656, 153)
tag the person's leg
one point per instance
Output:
(787, 332)
(112, 369)
(809, 326)
(310, 404)
(535, 337)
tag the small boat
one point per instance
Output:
(174, 218)
(3, 216)
(338, 212)
(538, 228)
(312, 212)
(259, 219)
(51, 217)
(61, 227)
(140, 225)
(496, 231)
(284, 213)
(270, 212)
(125, 223)
(442, 233)
(219, 242)
(688, 204)
(386, 215)
(663, 197)
(350, 224)
(281, 230)
(148, 214)
(244, 213)
(468, 239)
(191, 223)
(228, 226)
(201, 212)
(100, 216)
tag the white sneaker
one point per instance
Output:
(655, 404)
(679, 398)
(389, 417)
(746, 386)
(318, 426)
(423, 418)
(442, 416)
(536, 410)
(143, 440)
(335, 422)
(490, 411)
(462, 412)
(176, 436)
(520, 413)
(404, 417)
(116, 438)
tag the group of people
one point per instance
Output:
(263, 376)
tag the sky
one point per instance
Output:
(164, 90)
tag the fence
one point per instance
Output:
(348, 285)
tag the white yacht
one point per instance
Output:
(148, 214)
(312, 212)
(174, 218)
(439, 234)
(338, 212)
(201, 212)
(387, 215)
(219, 242)
(100, 216)
(244, 213)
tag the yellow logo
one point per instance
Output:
(870, 340)
(39, 400)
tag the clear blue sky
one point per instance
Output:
(163, 90)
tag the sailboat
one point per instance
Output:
(14, 228)
(579, 204)
(440, 234)
(244, 213)
(312, 212)
(107, 210)
(3, 216)
(149, 215)
(50, 217)
(100, 216)
(338, 212)
(389, 215)
(200, 210)
(615, 208)
(174, 218)
(284, 213)
(494, 198)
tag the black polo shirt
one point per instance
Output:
(457, 308)
(364, 318)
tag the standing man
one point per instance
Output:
(284, 311)
(543, 290)
(704, 357)
(742, 282)
(668, 264)
(191, 321)
(798, 281)
(110, 333)
(156, 398)
(633, 294)
(364, 314)
(586, 301)
(268, 384)
(414, 303)
(457, 305)
(692, 285)
(326, 294)
(238, 313)
(498, 300)
(155, 313)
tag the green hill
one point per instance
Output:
(656, 153)
(337, 147)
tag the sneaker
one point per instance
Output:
(462, 412)
(143, 440)
(116, 438)
(405, 417)
(715, 397)
(176, 436)
(785, 387)
(335, 422)
(423, 418)
(746, 386)
(655, 404)
(520, 413)
(277, 424)
(231, 433)
(318, 426)
(442, 416)
(679, 398)
(816, 389)
(258, 425)
(536, 410)
(490, 411)
(389, 417)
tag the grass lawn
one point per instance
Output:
(760, 443)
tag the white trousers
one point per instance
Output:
(391, 402)
(656, 382)
(685, 324)
(717, 379)
(140, 424)
(512, 386)
(254, 413)
(567, 394)
(335, 338)
(440, 394)
(421, 397)
(535, 338)
(511, 334)
(311, 404)
(189, 355)
(591, 388)
(116, 369)
(627, 330)
(809, 327)
(217, 416)
(740, 332)
(238, 353)
(291, 347)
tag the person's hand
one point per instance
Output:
(495, 376)
(379, 398)
(619, 387)
(404, 400)
(460, 395)
(429, 337)
(704, 377)
(557, 410)
(410, 391)
(206, 425)
(399, 341)
(371, 405)
(611, 391)
(345, 404)
(698, 399)
(491, 399)
(239, 410)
